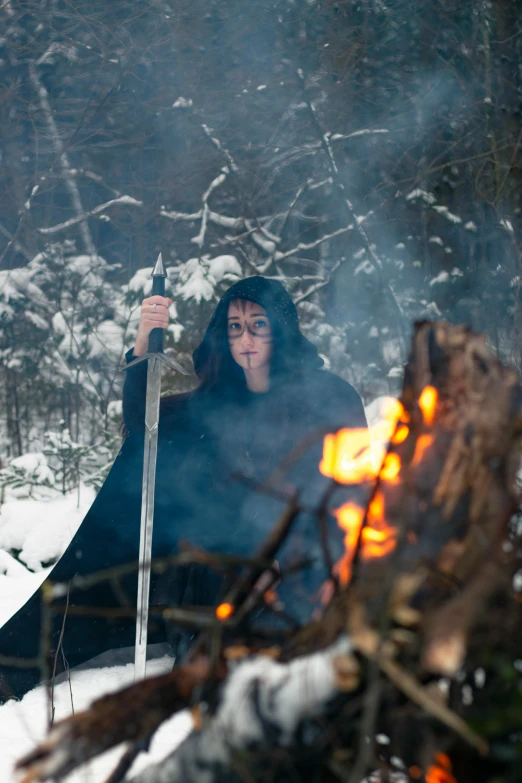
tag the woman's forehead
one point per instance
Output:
(244, 307)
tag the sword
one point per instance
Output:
(154, 358)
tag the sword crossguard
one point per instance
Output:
(155, 355)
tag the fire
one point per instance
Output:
(378, 538)
(224, 611)
(347, 457)
(423, 443)
(356, 456)
(441, 770)
(428, 400)
(390, 467)
(349, 518)
(353, 456)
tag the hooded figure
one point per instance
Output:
(207, 438)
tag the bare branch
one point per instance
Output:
(92, 213)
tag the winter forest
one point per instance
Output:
(367, 154)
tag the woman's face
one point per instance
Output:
(249, 334)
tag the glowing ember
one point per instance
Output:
(441, 771)
(428, 403)
(224, 611)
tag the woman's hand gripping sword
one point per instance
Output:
(154, 358)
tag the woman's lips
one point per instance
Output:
(248, 353)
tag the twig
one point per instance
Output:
(414, 691)
(267, 551)
(158, 565)
(58, 648)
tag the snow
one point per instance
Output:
(287, 694)
(428, 198)
(24, 723)
(195, 283)
(442, 277)
(141, 281)
(222, 266)
(35, 465)
(444, 211)
(106, 339)
(182, 103)
(42, 529)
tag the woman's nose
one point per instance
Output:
(247, 339)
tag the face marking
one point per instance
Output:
(249, 334)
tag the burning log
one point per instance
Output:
(423, 556)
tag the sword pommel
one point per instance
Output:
(159, 269)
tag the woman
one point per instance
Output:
(261, 391)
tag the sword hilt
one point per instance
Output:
(158, 289)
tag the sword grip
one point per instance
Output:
(156, 336)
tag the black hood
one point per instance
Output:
(213, 362)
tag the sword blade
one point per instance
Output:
(147, 512)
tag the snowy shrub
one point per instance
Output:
(27, 474)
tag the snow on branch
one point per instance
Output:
(199, 239)
(128, 200)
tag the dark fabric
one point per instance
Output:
(204, 438)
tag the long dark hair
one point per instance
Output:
(291, 352)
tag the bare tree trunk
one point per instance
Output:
(70, 182)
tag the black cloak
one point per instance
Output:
(205, 438)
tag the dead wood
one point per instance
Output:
(129, 715)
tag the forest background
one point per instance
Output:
(366, 154)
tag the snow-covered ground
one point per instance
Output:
(24, 723)
(39, 531)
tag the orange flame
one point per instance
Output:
(428, 404)
(441, 770)
(353, 456)
(224, 611)
(378, 538)
(347, 457)
(349, 518)
(400, 434)
(390, 467)
(423, 443)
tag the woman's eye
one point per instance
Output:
(233, 327)
(260, 324)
